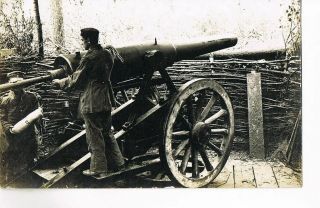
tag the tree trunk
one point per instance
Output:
(57, 17)
(39, 28)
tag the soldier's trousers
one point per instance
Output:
(101, 142)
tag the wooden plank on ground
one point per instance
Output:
(132, 168)
(224, 179)
(49, 174)
(244, 177)
(286, 177)
(264, 175)
(66, 171)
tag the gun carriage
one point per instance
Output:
(193, 125)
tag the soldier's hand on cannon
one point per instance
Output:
(11, 131)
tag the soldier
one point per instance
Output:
(18, 149)
(93, 77)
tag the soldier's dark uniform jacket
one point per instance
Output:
(93, 76)
(17, 150)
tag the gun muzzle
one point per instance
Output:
(52, 74)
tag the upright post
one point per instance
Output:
(39, 28)
(255, 115)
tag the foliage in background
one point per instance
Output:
(16, 30)
(249, 20)
(292, 38)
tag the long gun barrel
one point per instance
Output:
(52, 74)
(134, 64)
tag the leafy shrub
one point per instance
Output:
(292, 39)
(16, 30)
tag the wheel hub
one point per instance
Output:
(200, 133)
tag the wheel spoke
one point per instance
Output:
(223, 144)
(195, 164)
(200, 103)
(181, 133)
(185, 160)
(181, 146)
(184, 121)
(223, 131)
(215, 116)
(206, 110)
(190, 111)
(205, 158)
(215, 148)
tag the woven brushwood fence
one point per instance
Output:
(281, 90)
(281, 93)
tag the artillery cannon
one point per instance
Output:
(134, 60)
(193, 126)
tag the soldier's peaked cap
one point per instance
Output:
(89, 32)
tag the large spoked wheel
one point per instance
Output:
(198, 133)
